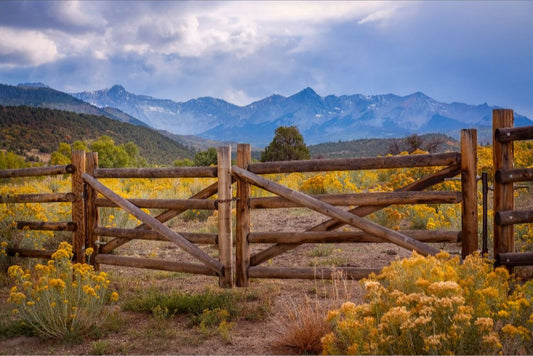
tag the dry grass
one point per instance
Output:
(300, 326)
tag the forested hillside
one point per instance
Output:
(24, 128)
(381, 146)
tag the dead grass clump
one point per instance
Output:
(300, 326)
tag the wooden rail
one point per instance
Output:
(388, 198)
(504, 176)
(176, 172)
(38, 198)
(513, 217)
(299, 237)
(151, 263)
(140, 234)
(36, 171)
(510, 134)
(46, 225)
(170, 204)
(354, 273)
(355, 164)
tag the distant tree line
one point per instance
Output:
(109, 154)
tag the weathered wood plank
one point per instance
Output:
(150, 263)
(165, 172)
(299, 237)
(343, 164)
(141, 234)
(242, 248)
(172, 204)
(91, 163)
(78, 206)
(388, 198)
(509, 134)
(24, 252)
(36, 171)
(504, 176)
(469, 191)
(503, 196)
(514, 259)
(225, 236)
(38, 198)
(47, 225)
(513, 217)
(351, 273)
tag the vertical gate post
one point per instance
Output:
(242, 248)
(469, 191)
(78, 206)
(502, 155)
(91, 163)
(225, 239)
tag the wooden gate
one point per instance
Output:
(247, 173)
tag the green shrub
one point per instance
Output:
(182, 303)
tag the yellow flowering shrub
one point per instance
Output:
(435, 305)
(60, 299)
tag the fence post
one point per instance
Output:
(91, 163)
(242, 248)
(469, 191)
(78, 213)
(225, 239)
(503, 154)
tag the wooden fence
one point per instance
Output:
(505, 217)
(89, 194)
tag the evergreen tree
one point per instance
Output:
(287, 145)
(206, 158)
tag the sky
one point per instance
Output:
(453, 51)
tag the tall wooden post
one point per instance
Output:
(242, 248)
(225, 239)
(78, 208)
(91, 163)
(502, 156)
(469, 191)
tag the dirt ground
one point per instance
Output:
(141, 333)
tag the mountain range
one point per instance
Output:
(319, 119)
(42, 96)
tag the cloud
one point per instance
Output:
(25, 48)
(104, 29)
(69, 16)
(240, 50)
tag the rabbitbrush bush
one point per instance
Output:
(436, 305)
(60, 299)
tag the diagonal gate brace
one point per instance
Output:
(334, 212)
(155, 224)
(163, 217)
